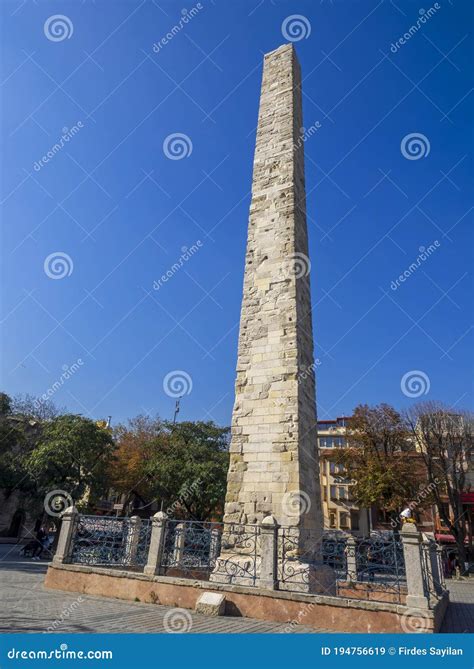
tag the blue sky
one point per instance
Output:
(122, 211)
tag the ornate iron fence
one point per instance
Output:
(211, 551)
(377, 564)
(110, 541)
(371, 568)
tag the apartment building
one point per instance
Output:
(340, 510)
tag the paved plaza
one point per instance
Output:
(28, 607)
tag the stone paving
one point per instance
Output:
(460, 615)
(28, 607)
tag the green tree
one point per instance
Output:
(381, 460)
(180, 467)
(72, 455)
(5, 405)
(445, 440)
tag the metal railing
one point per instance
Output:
(369, 568)
(110, 541)
(223, 553)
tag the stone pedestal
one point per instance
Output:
(65, 542)
(416, 583)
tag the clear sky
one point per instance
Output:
(122, 211)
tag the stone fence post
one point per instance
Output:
(133, 539)
(215, 546)
(351, 559)
(435, 565)
(411, 540)
(178, 546)
(157, 544)
(68, 525)
(269, 552)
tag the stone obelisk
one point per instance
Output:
(274, 467)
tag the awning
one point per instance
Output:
(447, 538)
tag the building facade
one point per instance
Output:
(341, 512)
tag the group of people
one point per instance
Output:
(39, 545)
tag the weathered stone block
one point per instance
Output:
(211, 604)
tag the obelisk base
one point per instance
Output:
(233, 569)
(292, 575)
(299, 576)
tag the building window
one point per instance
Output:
(332, 520)
(333, 492)
(326, 442)
(325, 493)
(354, 520)
(342, 492)
(344, 520)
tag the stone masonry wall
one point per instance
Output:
(273, 461)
